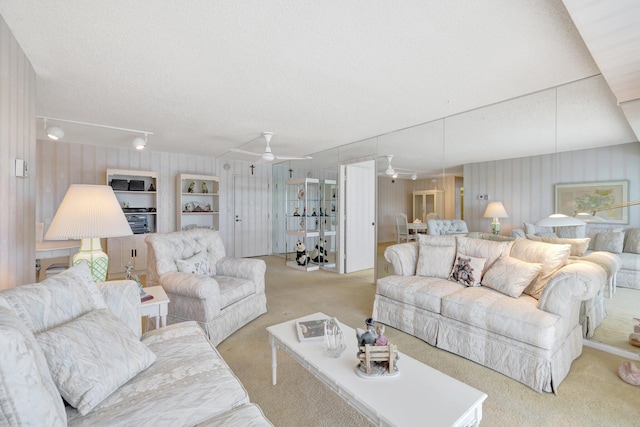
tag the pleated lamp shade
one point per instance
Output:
(89, 212)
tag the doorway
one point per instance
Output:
(358, 213)
(252, 216)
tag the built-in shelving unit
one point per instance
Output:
(198, 201)
(328, 222)
(137, 194)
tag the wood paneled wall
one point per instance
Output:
(525, 185)
(17, 141)
(61, 164)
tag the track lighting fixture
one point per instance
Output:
(139, 143)
(55, 132)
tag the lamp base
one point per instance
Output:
(495, 226)
(91, 253)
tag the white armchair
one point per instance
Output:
(224, 295)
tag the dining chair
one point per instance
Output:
(402, 228)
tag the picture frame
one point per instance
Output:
(311, 330)
(585, 197)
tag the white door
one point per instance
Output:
(252, 216)
(359, 215)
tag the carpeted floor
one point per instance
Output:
(592, 394)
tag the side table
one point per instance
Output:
(157, 307)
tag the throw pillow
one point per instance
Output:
(552, 257)
(510, 276)
(538, 231)
(632, 241)
(487, 249)
(467, 270)
(435, 261)
(572, 231)
(197, 264)
(611, 242)
(593, 231)
(92, 356)
(578, 246)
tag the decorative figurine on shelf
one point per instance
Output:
(319, 253)
(187, 207)
(296, 213)
(302, 225)
(314, 212)
(191, 186)
(152, 187)
(208, 207)
(321, 212)
(301, 253)
(304, 211)
(205, 190)
(124, 205)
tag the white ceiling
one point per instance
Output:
(206, 76)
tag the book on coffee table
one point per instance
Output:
(310, 330)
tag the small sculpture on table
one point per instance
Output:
(377, 355)
(205, 190)
(191, 186)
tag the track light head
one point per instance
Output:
(55, 132)
(139, 143)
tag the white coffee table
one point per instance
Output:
(419, 395)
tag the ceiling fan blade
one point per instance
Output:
(294, 158)
(251, 153)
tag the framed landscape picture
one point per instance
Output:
(586, 197)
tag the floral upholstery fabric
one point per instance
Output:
(28, 394)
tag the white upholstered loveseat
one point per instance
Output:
(525, 326)
(68, 337)
(226, 294)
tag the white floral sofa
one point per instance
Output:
(67, 337)
(224, 294)
(520, 316)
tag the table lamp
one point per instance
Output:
(89, 212)
(495, 210)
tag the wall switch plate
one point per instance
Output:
(21, 168)
(483, 197)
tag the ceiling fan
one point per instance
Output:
(268, 155)
(393, 173)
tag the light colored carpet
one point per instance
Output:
(592, 394)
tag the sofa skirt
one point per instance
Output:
(537, 368)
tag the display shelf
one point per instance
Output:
(329, 223)
(137, 194)
(197, 204)
(302, 220)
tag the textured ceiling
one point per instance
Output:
(206, 76)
